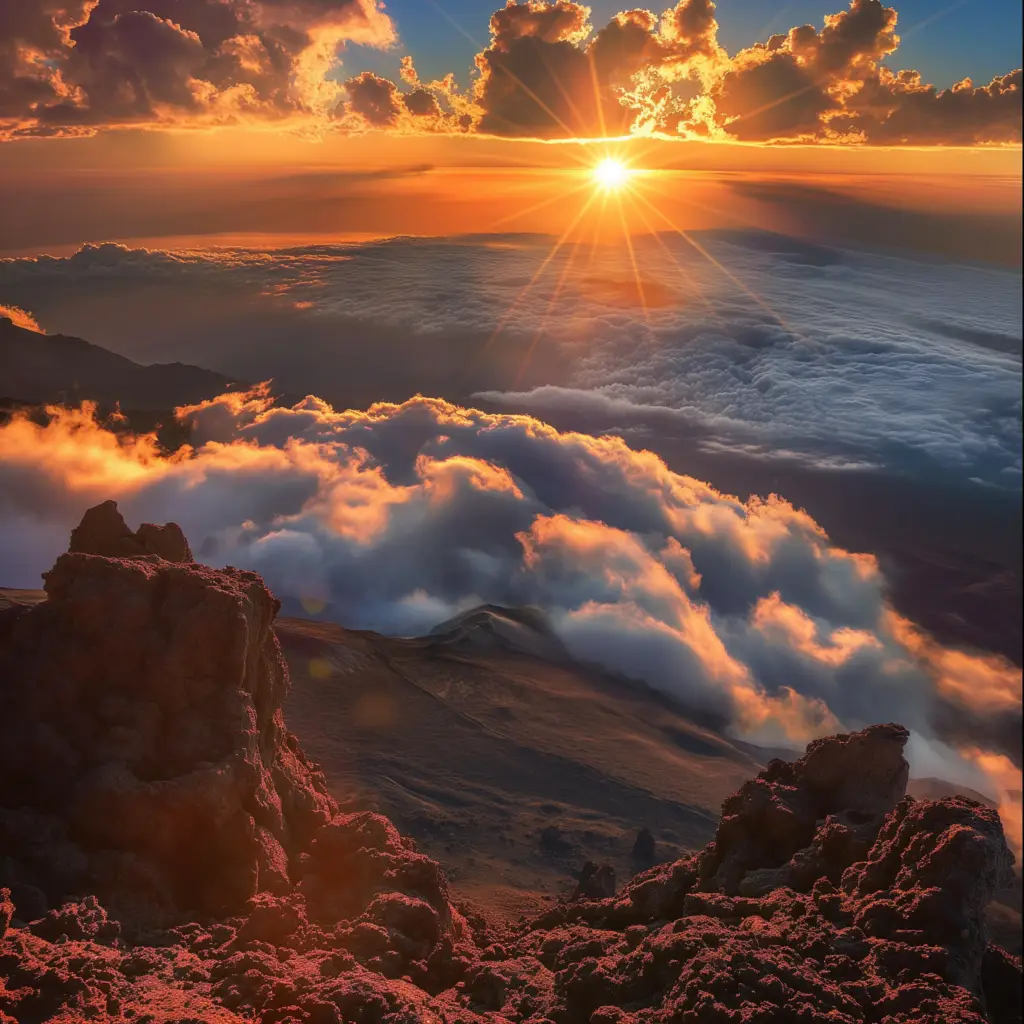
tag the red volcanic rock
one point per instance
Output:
(758, 846)
(144, 739)
(103, 531)
(596, 882)
(643, 853)
(930, 875)
(6, 911)
(144, 758)
(356, 857)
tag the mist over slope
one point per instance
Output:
(397, 517)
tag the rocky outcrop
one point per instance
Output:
(796, 822)
(103, 531)
(929, 877)
(595, 882)
(644, 852)
(142, 738)
(168, 854)
(143, 750)
(803, 909)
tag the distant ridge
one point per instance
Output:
(57, 368)
(490, 628)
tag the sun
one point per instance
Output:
(611, 174)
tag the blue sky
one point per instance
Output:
(945, 41)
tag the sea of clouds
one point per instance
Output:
(751, 342)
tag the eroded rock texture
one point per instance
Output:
(145, 757)
(169, 855)
(103, 531)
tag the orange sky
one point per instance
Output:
(247, 187)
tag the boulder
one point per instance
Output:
(596, 882)
(930, 875)
(643, 852)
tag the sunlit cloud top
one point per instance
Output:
(545, 70)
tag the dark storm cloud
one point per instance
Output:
(73, 67)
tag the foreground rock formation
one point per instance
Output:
(167, 853)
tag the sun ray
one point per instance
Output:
(684, 273)
(547, 313)
(529, 285)
(598, 105)
(598, 222)
(664, 193)
(557, 198)
(628, 239)
(556, 78)
(515, 78)
(690, 240)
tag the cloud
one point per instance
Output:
(375, 102)
(396, 516)
(831, 84)
(546, 72)
(921, 384)
(21, 318)
(75, 68)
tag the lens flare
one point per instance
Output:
(611, 174)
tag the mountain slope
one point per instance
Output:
(57, 368)
(512, 769)
(501, 755)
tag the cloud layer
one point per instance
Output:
(395, 517)
(546, 72)
(748, 344)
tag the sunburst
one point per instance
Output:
(610, 174)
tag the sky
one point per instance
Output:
(239, 122)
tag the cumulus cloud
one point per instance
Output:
(395, 517)
(69, 68)
(832, 84)
(546, 72)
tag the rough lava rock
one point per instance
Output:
(103, 531)
(644, 852)
(814, 807)
(168, 855)
(144, 753)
